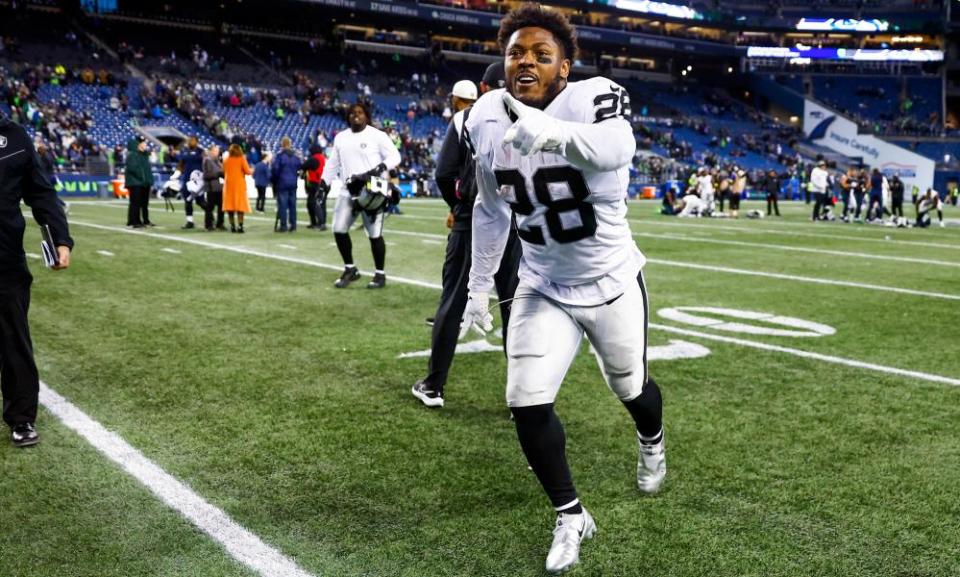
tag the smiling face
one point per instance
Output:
(357, 118)
(536, 67)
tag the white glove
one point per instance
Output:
(477, 315)
(534, 130)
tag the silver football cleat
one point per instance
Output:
(570, 531)
(651, 466)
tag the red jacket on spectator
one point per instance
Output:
(314, 175)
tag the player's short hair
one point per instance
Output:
(533, 15)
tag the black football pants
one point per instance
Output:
(453, 300)
(19, 380)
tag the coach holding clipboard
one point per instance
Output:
(21, 178)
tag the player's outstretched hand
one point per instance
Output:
(534, 130)
(477, 315)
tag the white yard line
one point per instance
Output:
(678, 264)
(171, 250)
(753, 344)
(246, 251)
(239, 543)
(810, 355)
(33, 255)
(752, 230)
(805, 279)
(784, 247)
(105, 253)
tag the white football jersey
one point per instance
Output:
(577, 245)
(358, 152)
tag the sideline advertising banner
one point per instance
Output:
(825, 127)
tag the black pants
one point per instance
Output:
(897, 202)
(819, 204)
(19, 380)
(137, 212)
(772, 203)
(453, 300)
(214, 201)
(322, 207)
(261, 198)
(312, 189)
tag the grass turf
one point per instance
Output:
(282, 401)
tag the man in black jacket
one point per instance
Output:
(22, 178)
(455, 178)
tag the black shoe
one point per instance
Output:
(221, 228)
(240, 229)
(311, 226)
(379, 281)
(429, 321)
(281, 229)
(292, 229)
(349, 275)
(24, 435)
(430, 398)
(188, 225)
(321, 227)
(233, 229)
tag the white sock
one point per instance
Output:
(190, 218)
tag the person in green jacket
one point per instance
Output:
(138, 179)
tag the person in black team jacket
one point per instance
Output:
(21, 178)
(455, 179)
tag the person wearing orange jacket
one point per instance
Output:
(235, 201)
(316, 194)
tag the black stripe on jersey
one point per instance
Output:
(646, 322)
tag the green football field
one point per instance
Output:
(818, 437)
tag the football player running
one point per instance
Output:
(556, 154)
(359, 155)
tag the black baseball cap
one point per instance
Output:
(495, 77)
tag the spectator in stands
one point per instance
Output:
(235, 172)
(283, 176)
(316, 198)
(137, 178)
(261, 179)
(213, 183)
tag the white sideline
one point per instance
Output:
(240, 543)
(747, 272)
(743, 342)
(750, 229)
(246, 251)
(811, 355)
(807, 279)
(687, 238)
